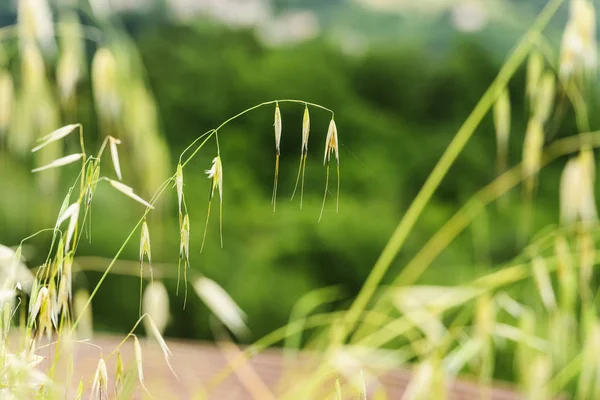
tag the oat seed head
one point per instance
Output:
(145, 248)
(100, 383)
(532, 151)
(35, 23)
(40, 299)
(184, 244)
(303, 155)
(60, 162)
(579, 43)
(216, 174)
(114, 155)
(277, 125)
(105, 84)
(331, 143)
(305, 129)
(577, 195)
(72, 214)
(119, 375)
(138, 359)
(222, 305)
(156, 305)
(127, 191)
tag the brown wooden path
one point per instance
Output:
(196, 363)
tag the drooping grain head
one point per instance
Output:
(127, 191)
(145, 248)
(305, 130)
(579, 48)
(105, 84)
(532, 152)
(137, 350)
(33, 69)
(570, 192)
(278, 127)
(100, 383)
(215, 173)
(70, 68)
(577, 193)
(66, 160)
(156, 305)
(222, 305)
(587, 207)
(184, 244)
(331, 143)
(35, 23)
(68, 73)
(114, 155)
(119, 375)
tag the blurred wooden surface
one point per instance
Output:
(196, 363)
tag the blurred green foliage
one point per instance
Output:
(397, 108)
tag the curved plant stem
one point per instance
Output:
(459, 141)
(206, 136)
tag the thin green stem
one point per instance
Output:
(455, 147)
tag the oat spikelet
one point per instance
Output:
(579, 47)
(303, 154)
(331, 146)
(216, 174)
(532, 153)
(156, 306)
(577, 197)
(119, 374)
(114, 155)
(54, 136)
(277, 125)
(184, 252)
(105, 84)
(156, 333)
(222, 305)
(502, 125)
(100, 383)
(137, 349)
(145, 249)
(60, 162)
(72, 214)
(127, 191)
